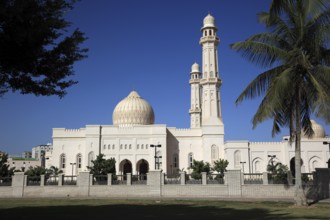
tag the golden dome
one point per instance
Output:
(133, 110)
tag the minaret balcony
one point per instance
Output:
(211, 81)
(194, 81)
(209, 39)
(195, 110)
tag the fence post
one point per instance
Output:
(129, 179)
(154, 182)
(18, 184)
(91, 176)
(60, 179)
(109, 179)
(42, 180)
(265, 178)
(204, 178)
(183, 178)
(242, 178)
(234, 183)
(163, 179)
(83, 182)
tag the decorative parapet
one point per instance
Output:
(189, 132)
(63, 132)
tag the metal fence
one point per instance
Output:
(191, 180)
(253, 178)
(119, 180)
(139, 179)
(51, 181)
(33, 181)
(5, 181)
(100, 179)
(69, 180)
(277, 178)
(214, 179)
(170, 179)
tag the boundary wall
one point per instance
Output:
(233, 187)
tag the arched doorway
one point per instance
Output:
(293, 165)
(143, 168)
(127, 167)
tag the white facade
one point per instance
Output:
(129, 140)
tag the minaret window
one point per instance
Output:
(190, 160)
(210, 32)
(62, 161)
(205, 33)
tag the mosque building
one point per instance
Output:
(138, 145)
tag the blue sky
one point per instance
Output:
(148, 46)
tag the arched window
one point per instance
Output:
(146, 146)
(237, 159)
(257, 166)
(214, 154)
(142, 146)
(175, 161)
(138, 146)
(113, 147)
(78, 161)
(190, 159)
(121, 147)
(62, 161)
(109, 146)
(130, 146)
(210, 32)
(90, 158)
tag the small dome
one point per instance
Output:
(209, 21)
(318, 130)
(195, 68)
(133, 110)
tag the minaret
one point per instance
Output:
(195, 109)
(210, 82)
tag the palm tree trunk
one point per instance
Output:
(300, 197)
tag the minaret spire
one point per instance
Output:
(195, 109)
(210, 82)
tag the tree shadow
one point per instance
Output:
(136, 211)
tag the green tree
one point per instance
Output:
(199, 167)
(278, 172)
(220, 166)
(102, 166)
(55, 171)
(4, 166)
(297, 84)
(37, 171)
(37, 51)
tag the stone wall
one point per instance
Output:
(233, 187)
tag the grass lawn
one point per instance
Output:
(97, 209)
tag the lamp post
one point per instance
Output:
(72, 164)
(242, 165)
(155, 146)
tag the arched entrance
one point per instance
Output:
(143, 168)
(125, 167)
(293, 165)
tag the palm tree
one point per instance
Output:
(55, 171)
(297, 85)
